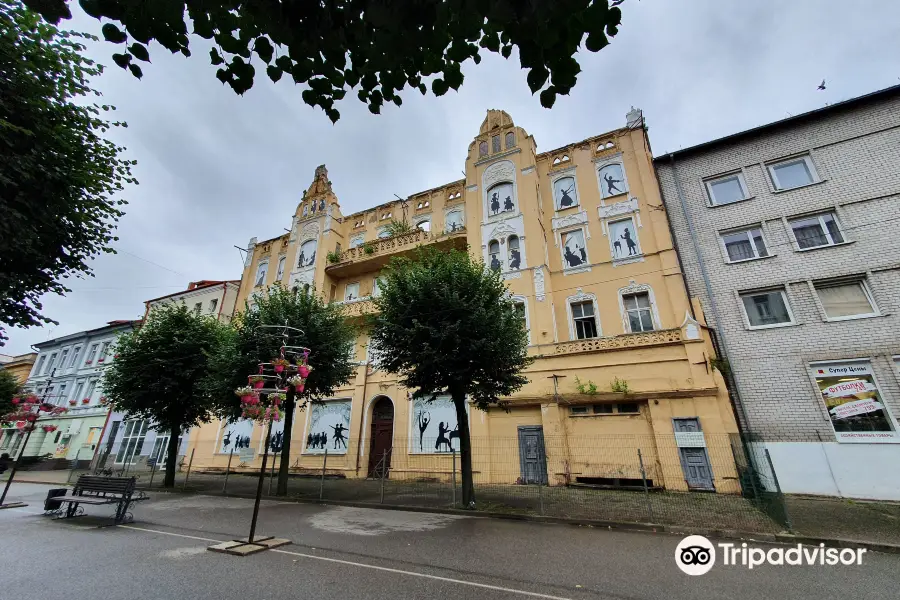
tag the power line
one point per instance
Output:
(151, 262)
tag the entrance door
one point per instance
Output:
(694, 459)
(382, 437)
(532, 458)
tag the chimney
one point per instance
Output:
(634, 119)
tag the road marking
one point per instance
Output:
(426, 576)
(485, 586)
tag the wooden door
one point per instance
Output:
(532, 458)
(382, 438)
(694, 460)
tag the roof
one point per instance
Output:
(195, 286)
(111, 325)
(789, 121)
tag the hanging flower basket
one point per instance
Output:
(277, 399)
(244, 392)
(279, 364)
(296, 381)
(257, 381)
(303, 371)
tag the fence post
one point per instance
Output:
(541, 498)
(272, 472)
(646, 489)
(188, 474)
(383, 469)
(787, 517)
(453, 480)
(152, 473)
(227, 470)
(322, 480)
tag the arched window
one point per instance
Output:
(424, 225)
(261, 272)
(510, 140)
(564, 193)
(500, 199)
(357, 241)
(384, 233)
(454, 221)
(305, 209)
(482, 149)
(280, 273)
(512, 249)
(307, 255)
(612, 180)
(494, 252)
(495, 143)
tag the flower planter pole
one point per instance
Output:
(263, 403)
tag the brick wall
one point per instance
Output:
(856, 151)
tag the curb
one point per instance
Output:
(674, 530)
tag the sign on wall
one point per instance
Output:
(235, 436)
(329, 427)
(854, 403)
(434, 426)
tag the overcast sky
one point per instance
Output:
(216, 169)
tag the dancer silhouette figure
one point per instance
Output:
(442, 439)
(338, 437)
(611, 184)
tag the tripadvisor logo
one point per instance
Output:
(696, 555)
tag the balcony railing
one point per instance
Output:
(359, 307)
(391, 245)
(619, 342)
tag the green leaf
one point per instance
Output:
(548, 97)
(140, 52)
(122, 60)
(264, 49)
(274, 73)
(215, 58)
(136, 71)
(536, 78)
(51, 10)
(506, 51)
(113, 34)
(439, 87)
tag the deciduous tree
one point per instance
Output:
(9, 388)
(375, 46)
(158, 370)
(323, 329)
(446, 324)
(59, 177)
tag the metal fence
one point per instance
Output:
(615, 478)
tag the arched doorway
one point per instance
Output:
(382, 437)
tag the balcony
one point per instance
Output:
(374, 255)
(357, 308)
(627, 341)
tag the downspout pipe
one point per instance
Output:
(709, 292)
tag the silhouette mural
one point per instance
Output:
(307, 254)
(236, 436)
(329, 427)
(434, 426)
(612, 180)
(564, 190)
(574, 254)
(624, 239)
(500, 199)
(276, 439)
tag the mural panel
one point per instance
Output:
(434, 426)
(276, 439)
(574, 254)
(235, 436)
(624, 239)
(329, 427)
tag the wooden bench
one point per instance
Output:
(95, 491)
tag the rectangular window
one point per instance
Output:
(75, 354)
(351, 292)
(495, 143)
(792, 173)
(627, 407)
(623, 239)
(132, 442)
(376, 287)
(50, 363)
(727, 189)
(92, 384)
(767, 308)
(198, 308)
(213, 304)
(573, 249)
(639, 312)
(854, 403)
(40, 364)
(744, 245)
(522, 314)
(845, 299)
(62, 359)
(92, 354)
(816, 231)
(261, 271)
(63, 396)
(603, 409)
(78, 389)
(583, 317)
(578, 410)
(104, 350)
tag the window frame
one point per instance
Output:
(867, 291)
(654, 325)
(636, 236)
(828, 236)
(745, 230)
(347, 288)
(784, 297)
(261, 268)
(599, 166)
(423, 221)
(52, 360)
(573, 328)
(300, 251)
(279, 271)
(462, 221)
(213, 305)
(104, 351)
(559, 177)
(92, 354)
(519, 248)
(501, 213)
(562, 248)
(806, 158)
(76, 352)
(127, 436)
(708, 183)
(523, 300)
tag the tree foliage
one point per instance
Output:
(58, 175)
(158, 372)
(446, 324)
(323, 329)
(9, 388)
(376, 46)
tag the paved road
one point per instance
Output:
(341, 553)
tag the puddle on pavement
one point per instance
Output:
(365, 521)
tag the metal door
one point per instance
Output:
(532, 458)
(694, 460)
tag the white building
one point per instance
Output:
(214, 298)
(790, 235)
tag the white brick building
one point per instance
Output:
(790, 235)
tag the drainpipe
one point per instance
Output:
(709, 292)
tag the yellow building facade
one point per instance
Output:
(623, 361)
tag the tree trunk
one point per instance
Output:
(172, 457)
(283, 469)
(465, 449)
